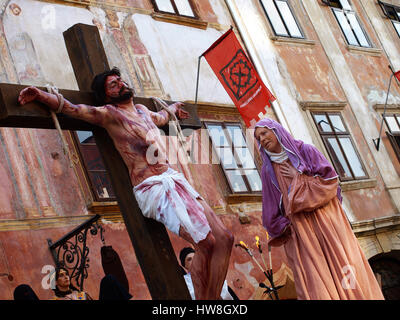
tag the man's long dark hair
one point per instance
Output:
(99, 82)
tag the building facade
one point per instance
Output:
(326, 62)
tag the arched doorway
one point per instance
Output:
(386, 267)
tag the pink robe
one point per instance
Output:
(321, 248)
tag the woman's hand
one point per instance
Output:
(288, 171)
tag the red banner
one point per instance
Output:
(397, 75)
(237, 74)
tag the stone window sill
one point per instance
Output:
(295, 41)
(240, 198)
(104, 207)
(370, 51)
(325, 106)
(389, 107)
(358, 184)
(381, 224)
(108, 211)
(190, 22)
(393, 186)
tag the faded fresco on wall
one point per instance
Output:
(43, 39)
(8, 199)
(23, 53)
(141, 60)
(125, 50)
(30, 150)
(25, 60)
(176, 61)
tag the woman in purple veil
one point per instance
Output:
(302, 211)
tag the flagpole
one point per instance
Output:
(394, 74)
(198, 64)
(197, 80)
(378, 140)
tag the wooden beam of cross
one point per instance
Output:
(149, 238)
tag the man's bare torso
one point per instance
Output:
(139, 142)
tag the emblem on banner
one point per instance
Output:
(239, 75)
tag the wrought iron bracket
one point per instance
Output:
(72, 252)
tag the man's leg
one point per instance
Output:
(200, 268)
(211, 260)
(220, 255)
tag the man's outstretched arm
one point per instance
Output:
(91, 114)
(162, 117)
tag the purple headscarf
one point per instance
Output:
(304, 157)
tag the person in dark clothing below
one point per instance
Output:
(25, 293)
(111, 289)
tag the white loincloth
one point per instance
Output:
(171, 200)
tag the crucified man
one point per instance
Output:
(162, 193)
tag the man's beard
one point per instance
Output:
(123, 96)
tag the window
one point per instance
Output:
(340, 146)
(234, 156)
(281, 18)
(393, 13)
(348, 22)
(93, 163)
(176, 7)
(393, 123)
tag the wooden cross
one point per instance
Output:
(149, 238)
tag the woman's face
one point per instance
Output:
(268, 140)
(63, 280)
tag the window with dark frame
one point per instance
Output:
(183, 8)
(393, 13)
(234, 156)
(349, 23)
(393, 124)
(281, 18)
(340, 146)
(94, 167)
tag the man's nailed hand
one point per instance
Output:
(27, 95)
(180, 113)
